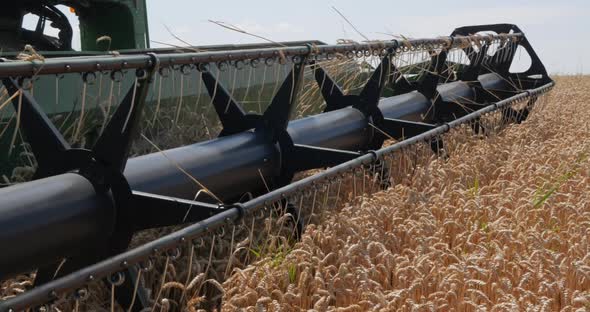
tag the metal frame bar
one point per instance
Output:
(398, 128)
(130, 61)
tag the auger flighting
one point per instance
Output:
(85, 205)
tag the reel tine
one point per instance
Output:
(128, 291)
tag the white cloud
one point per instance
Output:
(270, 29)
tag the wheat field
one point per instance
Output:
(502, 225)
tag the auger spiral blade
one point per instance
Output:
(231, 114)
(397, 82)
(46, 141)
(271, 124)
(476, 60)
(233, 117)
(369, 96)
(432, 76)
(331, 91)
(112, 147)
(279, 111)
(371, 92)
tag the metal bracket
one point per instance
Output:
(313, 157)
(153, 211)
(403, 129)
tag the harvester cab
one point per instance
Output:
(53, 30)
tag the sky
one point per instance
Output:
(557, 30)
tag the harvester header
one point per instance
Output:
(349, 111)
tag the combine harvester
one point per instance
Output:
(84, 205)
